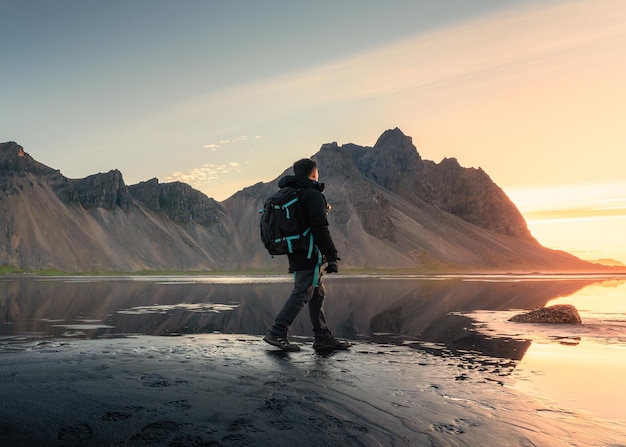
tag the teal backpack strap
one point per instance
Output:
(318, 267)
(311, 244)
(287, 205)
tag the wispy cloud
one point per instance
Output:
(570, 202)
(585, 220)
(527, 39)
(201, 178)
(576, 213)
(223, 142)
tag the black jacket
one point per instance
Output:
(313, 212)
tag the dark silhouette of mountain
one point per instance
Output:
(609, 261)
(390, 210)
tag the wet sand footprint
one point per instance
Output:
(275, 405)
(158, 381)
(243, 424)
(327, 422)
(155, 381)
(449, 429)
(457, 428)
(179, 405)
(155, 433)
(112, 416)
(237, 440)
(188, 440)
(273, 412)
(245, 380)
(76, 435)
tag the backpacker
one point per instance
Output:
(281, 231)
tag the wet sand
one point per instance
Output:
(234, 390)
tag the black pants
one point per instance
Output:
(302, 293)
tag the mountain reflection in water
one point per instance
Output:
(379, 308)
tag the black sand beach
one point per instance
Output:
(234, 390)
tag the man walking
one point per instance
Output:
(308, 287)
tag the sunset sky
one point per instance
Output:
(224, 94)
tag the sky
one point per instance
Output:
(224, 94)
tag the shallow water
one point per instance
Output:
(580, 367)
(574, 368)
(357, 307)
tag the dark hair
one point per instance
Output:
(304, 167)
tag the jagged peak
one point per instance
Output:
(113, 173)
(14, 159)
(153, 182)
(102, 190)
(451, 161)
(11, 148)
(11, 153)
(329, 146)
(394, 141)
(394, 137)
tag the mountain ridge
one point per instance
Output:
(390, 210)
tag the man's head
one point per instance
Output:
(306, 167)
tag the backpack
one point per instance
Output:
(281, 231)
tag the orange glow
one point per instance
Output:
(586, 220)
(599, 356)
(562, 368)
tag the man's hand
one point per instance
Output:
(332, 267)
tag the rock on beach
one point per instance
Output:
(560, 313)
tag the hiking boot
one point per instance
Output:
(330, 344)
(280, 342)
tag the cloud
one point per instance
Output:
(201, 178)
(516, 92)
(571, 202)
(576, 213)
(524, 40)
(225, 141)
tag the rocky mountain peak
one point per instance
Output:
(16, 164)
(333, 160)
(11, 149)
(390, 160)
(394, 138)
(181, 202)
(329, 146)
(13, 159)
(102, 190)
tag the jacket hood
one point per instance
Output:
(297, 181)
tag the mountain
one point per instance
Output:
(393, 210)
(99, 223)
(390, 210)
(609, 261)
